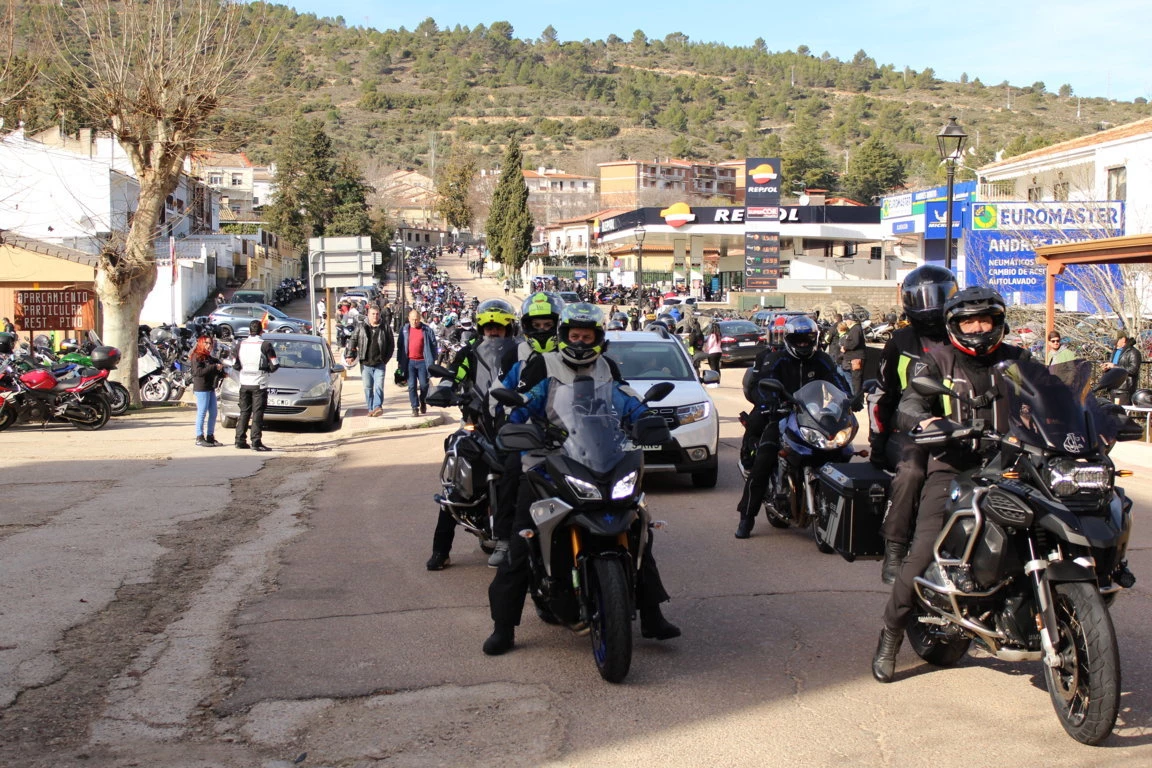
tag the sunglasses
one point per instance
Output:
(1053, 339)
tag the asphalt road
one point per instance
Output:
(167, 605)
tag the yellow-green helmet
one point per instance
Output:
(541, 304)
(581, 315)
(495, 311)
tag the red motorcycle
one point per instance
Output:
(37, 395)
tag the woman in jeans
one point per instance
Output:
(206, 374)
(712, 346)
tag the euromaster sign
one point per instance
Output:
(1000, 246)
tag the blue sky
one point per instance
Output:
(1099, 48)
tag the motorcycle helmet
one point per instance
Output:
(1142, 398)
(541, 305)
(7, 342)
(466, 322)
(971, 302)
(924, 293)
(69, 346)
(158, 335)
(801, 336)
(581, 315)
(495, 312)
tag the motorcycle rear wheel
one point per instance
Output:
(611, 621)
(930, 644)
(7, 417)
(155, 390)
(118, 398)
(103, 410)
(1085, 688)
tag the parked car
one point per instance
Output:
(687, 301)
(647, 358)
(305, 388)
(249, 297)
(231, 320)
(570, 297)
(741, 341)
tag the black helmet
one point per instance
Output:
(923, 293)
(971, 302)
(1142, 398)
(7, 341)
(801, 335)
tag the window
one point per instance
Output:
(216, 179)
(1035, 194)
(1060, 191)
(237, 179)
(849, 250)
(1118, 183)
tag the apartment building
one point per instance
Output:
(637, 184)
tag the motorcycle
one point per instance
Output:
(117, 393)
(1034, 549)
(37, 395)
(592, 526)
(151, 372)
(878, 334)
(817, 429)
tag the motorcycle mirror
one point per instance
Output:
(926, 386)
(507, 397)
(1110, 379)
(519, 437)
(658, 392)
(439, 370)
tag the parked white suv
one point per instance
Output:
(646, 358)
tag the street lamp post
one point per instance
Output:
(950, 141)
(639, 233)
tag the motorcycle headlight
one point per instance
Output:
(689, 414)
(625, 485)
(583, 489)
(838, 440)
(1067, 476)
(318, 390)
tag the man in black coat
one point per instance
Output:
(1125, 356)
(852, 349)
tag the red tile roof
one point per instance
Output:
(1125, 131)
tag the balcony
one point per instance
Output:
(998, 191)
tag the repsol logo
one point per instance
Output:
(764, 189)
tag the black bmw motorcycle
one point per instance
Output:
(1034, 548)
(592, 526)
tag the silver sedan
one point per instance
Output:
(306, 387)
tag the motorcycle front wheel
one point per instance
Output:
(1085, 688)
(7, 417)
(155, 390)
(611, 622)
(118, 399)
(103, 412)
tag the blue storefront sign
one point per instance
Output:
(579, 274)
(935, 219)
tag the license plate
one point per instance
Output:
(747, 343)
(279, 401)
(651, 447)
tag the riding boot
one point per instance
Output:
(502, 640)
(653, 624)
(744, 529)
(894, 554)
(884, 662)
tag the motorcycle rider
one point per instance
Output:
(797, 364)
(476, 368)
(922, 294)
(580, 352)
(974, 323)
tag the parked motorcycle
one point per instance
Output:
(592, 526)
(37, 395)
(80, 357)
(1035, 545)
(817, 429)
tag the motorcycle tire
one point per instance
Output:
(118, 398)
(155, 390)
(1085, 688)
(775, 517)
(226, 332)
(930, 644)
(821, 545)
(7, 417)
(103, 411)
(611, 620)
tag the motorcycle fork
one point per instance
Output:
(1046, 611)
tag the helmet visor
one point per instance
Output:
(927, 295)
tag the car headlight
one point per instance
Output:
(583, 489)
(688, 414)
(625, 485)
(838, 440)
(1066, 477)
(318, 390)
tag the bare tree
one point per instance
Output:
(14, 78)
(152, 73)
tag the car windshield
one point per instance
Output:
(1049, 408)
(585, 411)
(660, 360)
(299, 354)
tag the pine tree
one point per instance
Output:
(805, 163)
(509, 214)
(873, 169)
(305, 172)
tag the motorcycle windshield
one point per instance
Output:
(594, 436)
(1050, 411)
(824, 404)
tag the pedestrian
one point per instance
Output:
(1125, 356)
(207, 371)
(417, 348)
(712, 346)
(8, 326)
(372, 344)
(255, 360)
(852, 354)
(220, 300)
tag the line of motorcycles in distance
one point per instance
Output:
(1031, 557)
